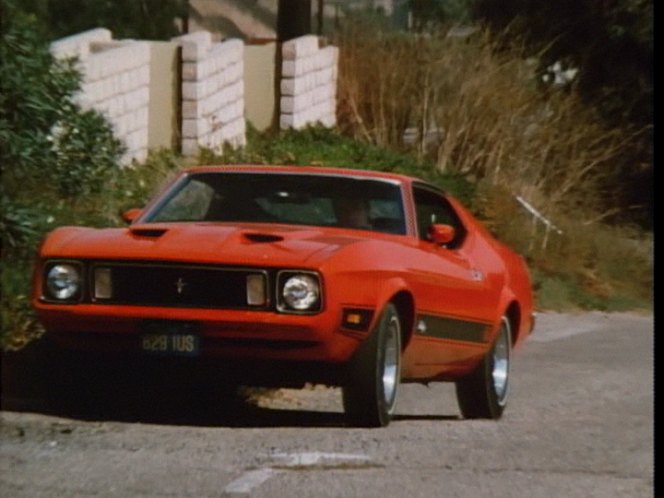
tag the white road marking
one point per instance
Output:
(318, 458)
(249, 480)
(246, 483)
(569, 331)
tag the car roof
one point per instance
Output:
(310, 170)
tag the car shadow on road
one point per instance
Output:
(442, 418)
(27, 386)
(181, 411)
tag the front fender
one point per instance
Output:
(390, 288)
(387, 291)
(366, 292)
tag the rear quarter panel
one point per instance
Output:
(516, 281)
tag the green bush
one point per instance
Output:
(134, 187)
(19, 324)
(86, 154)
(48, 144)
(319, 146)
(52, 153)
(18, 224)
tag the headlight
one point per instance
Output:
(299, 292)
(63, 282)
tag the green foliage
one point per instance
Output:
(430, 14)
(564, 293)
(86, 154)
(52, 154)
(147, 19)
(135, 186)
(25, 222)
(46, 139)
(587, 266)
(319, 146)
(17, 319)
(17, 223)
(35, 94)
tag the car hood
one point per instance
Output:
(246, 244)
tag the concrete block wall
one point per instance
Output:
(116, 79)
(212, 92)
(308, 84)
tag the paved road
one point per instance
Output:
(579, 424)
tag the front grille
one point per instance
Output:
(179, 286)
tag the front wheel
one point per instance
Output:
(483, 393)
(373, 374)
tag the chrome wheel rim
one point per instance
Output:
(501, 363)
(391, 361)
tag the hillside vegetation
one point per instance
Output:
(476, 107)
(456, 112)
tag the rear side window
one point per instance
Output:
(431, 207)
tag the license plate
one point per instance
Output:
(171, 344)
(170, 338)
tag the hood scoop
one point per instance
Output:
(262, 237)
(153, 233)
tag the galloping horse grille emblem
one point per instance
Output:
(180, 285)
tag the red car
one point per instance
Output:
(353, 278)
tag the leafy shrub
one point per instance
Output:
(86, 154)
(19, 324)
(319, 146)
(133, 187)
(47, 143)
(51, 154)
(18, 224)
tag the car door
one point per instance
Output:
(453, 311)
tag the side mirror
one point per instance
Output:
(130, 215)
(441, 234)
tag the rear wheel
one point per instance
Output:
(373, 375)
(483, 393)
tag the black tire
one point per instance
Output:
(373, 374)
(483, 393)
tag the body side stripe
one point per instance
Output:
(451, 328)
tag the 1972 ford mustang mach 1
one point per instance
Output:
(353, 278)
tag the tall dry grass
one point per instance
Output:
(492, 120)
(477, 108)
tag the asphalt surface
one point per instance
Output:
(579, 423)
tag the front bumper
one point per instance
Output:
(222, 333)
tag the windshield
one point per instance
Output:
(299, 199)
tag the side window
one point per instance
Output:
(432, 208)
